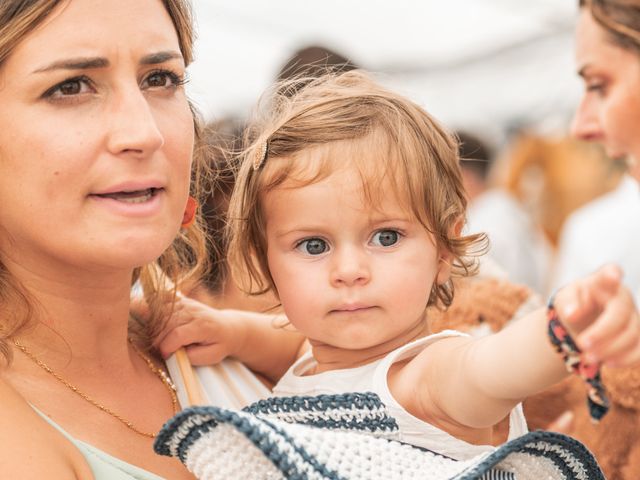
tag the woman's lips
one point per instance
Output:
(131, 203)
(135, 196)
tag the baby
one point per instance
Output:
(349, 207)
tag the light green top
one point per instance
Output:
(103, 465)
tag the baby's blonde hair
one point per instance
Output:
(384, 135)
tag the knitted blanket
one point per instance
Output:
(348, 436)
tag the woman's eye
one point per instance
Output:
(69, 88)
(163, 79)
(313, 246)
(595, 86)
(385, 238)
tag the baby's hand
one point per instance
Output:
(208, 335)
(599, 313)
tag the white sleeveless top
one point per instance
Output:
(373, 378)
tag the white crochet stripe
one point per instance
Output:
(225, 453)
(576, 466)
(183, 430)
(344, 416)
(338, 414)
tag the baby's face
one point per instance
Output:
(349, 274)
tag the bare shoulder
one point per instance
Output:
(438, 355)
(415, 382)
(30, 447)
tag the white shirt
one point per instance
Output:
(605, 230)
(373, 378)
(517, 245)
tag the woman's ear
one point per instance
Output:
(446, 257)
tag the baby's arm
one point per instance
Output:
(210, 335)
(475, 383)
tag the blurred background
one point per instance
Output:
(489, 65)
(500, 73)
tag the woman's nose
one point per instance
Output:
(132, 125)
(586, 124)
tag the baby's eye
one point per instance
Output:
(385, 238)
(313, 246)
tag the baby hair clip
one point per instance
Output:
(597, 400)
(261, 155)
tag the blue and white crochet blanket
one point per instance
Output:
(348, 436)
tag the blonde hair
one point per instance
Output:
(184, 259)
(350, 110)
(620, 18)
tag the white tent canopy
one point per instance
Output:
(484, 65)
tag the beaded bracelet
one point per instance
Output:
(596, 394)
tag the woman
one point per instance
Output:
(608, 59)
(96, 142)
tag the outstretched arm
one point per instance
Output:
(209, 335)
(475, 383)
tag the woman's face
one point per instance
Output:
(96, 138)
(609, 112)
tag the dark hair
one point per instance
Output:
(475, 153)
(314, 61)
(620, 18)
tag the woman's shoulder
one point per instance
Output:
(32, 448)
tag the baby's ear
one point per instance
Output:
(446, 257)
(444, 267)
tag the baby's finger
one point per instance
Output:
(629, 359)
(618, 315)
(206, 354)
(625, 342)
(579, 304)
(184, 335)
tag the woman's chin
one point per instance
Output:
(138, 250)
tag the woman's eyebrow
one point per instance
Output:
(161, 57)
(80, 63)
(88, 63)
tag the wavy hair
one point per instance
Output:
(620, 18)
(388, 138)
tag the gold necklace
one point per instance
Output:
(166, 381)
